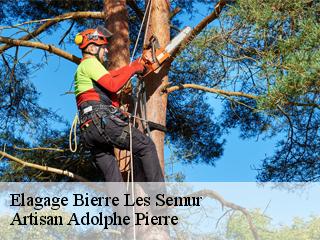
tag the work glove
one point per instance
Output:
(138, 66)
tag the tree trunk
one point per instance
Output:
(117, 22)
(159, 26)
(118, 54)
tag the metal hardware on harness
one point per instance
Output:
(87, 109)
(109, 108)
(97, 114)
(154, 45)
(85, 124)
(124, 134)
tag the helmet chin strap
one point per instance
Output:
(97, 54)
(104, 60)
(94, 54)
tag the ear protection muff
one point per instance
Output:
(78, 39)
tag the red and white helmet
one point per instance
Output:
(98, 36)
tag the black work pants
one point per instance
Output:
(107, 131)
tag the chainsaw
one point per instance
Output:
(153, 56)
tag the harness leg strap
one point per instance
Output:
(124, 134)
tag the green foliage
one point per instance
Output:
(79, 162)
(26, 10)
(274, 47)
(19, 107)
(269, 49)
(287, 34)
(190, 127)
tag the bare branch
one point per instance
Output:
(216, 196)
(51, 22)
(174, 12)
(4, 149)
(67, 32)
(304, 104)
(44, 168)
(167, 89)
(39, 148)
(133, 5)
(208, 19)
(49, 48)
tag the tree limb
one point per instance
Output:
(67, 32)
(174, 12)
(44, 168)
(39, 148)
(196, 30)
(304, 104)
(49, 48)
(216, 196)
(133, 5)
(167, 89)
(51, 22)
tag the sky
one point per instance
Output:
(240, 156)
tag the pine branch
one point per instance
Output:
(39, 148)
(196, 30)
(167, 89)
(216, 196)
(66, 33)
(133, 5)
(304, 104)
(46, 47)
(174, 12)
(44, 168)
(52, 21)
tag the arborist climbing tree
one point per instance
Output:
(103, 125)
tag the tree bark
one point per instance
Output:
(119, 55)
(118, 52)
(117, 22)
(159, 26)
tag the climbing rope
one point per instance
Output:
(139, 84)
(141, 100)
(148, 9)
(143, 109)
(73, 130)
(132, 185)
